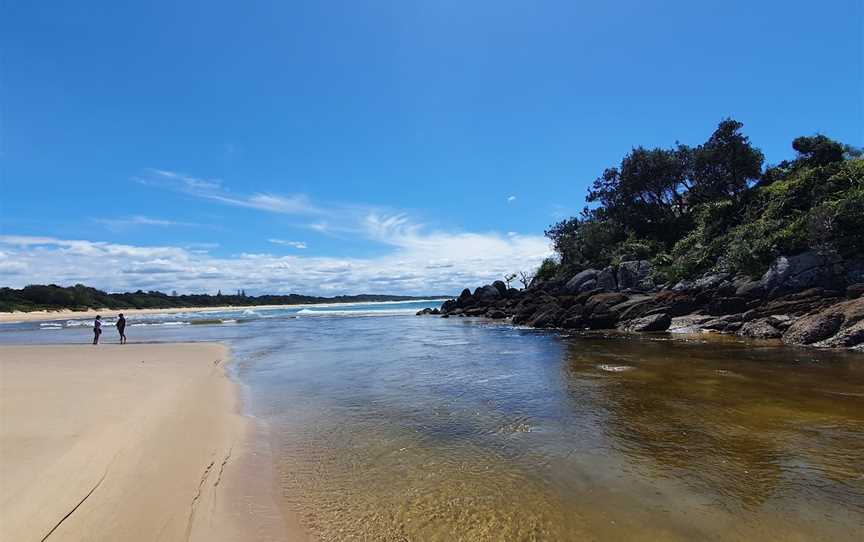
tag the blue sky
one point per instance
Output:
(345, 147)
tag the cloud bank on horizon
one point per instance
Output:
(416, 259)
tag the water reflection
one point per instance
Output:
(747, 427)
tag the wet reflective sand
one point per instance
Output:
(428, 429)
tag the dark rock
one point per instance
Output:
(574, 284)
(806, 270)
(854, 271)
(655, 322)
(727, 305)
(601, 318)
(496, 314)
(760, 329)
(475, 311)
(464, 296)
(607, 279)
(572, 318)
(548, 317)
(813, 328)
(855, 290)
(750, 289)
(634, 274)
(710, 281)
(487, 293)
(588, 285)
(725, 324)
(636, 308)
(449, 305)
(501, 287)
(847, 337)
(683, 286)
(606, 299)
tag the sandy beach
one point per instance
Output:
(135, 442)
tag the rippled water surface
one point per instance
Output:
(406, 428)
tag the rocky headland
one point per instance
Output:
(807, 299)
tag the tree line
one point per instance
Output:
(80, 297)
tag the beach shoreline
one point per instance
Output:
(132, 442)
(68, 314)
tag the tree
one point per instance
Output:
(818, 150)
(725, 165)
(509, 278)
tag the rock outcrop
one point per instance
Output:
(808, 299)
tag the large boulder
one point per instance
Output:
(465, 298)
(806, 270)
(487, 293)
(501, 287)
(607, 279)
(762, 328)
(813, 328)
(588, 285)
(855, 271)
(655, 322)
(749, 289)
(634, 274)
(847, 337)
(574, 284)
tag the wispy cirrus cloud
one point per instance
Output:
(140, 220)
(214, 190)
(295, 244)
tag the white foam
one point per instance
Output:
(615, 368)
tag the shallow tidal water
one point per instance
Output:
(404, 428)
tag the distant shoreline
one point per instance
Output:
(60, 314)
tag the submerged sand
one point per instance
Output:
(133, 442)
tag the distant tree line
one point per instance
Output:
(80, 297)
(715, 207)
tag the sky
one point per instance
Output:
(343, 147)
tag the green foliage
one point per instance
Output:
(548, 269)
(80, 297)
(709, 208)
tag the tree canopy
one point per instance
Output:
(715, 206)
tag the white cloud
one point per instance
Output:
(295, 244)
(119, 224)
(213, 189)
(511, 199)
(419, 263)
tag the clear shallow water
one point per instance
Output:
(406, 428)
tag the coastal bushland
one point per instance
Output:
(715, 207)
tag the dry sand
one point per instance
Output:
(132, 443)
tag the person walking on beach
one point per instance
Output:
(97, 329)
(121, 327)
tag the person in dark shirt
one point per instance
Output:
(121, 328)
(97, 329)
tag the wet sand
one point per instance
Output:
(135, 442)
